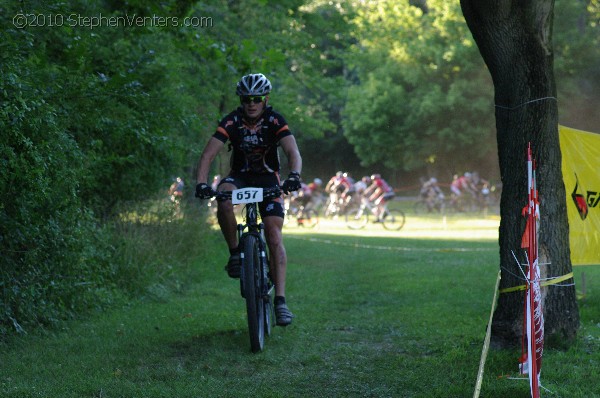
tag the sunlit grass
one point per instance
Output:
(438, 227)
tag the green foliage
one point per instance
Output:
(577, 61)
(81, 130)
(319, 70)
(576, 39)
(52, 262)
(421, 95)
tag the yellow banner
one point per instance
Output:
(581, 174)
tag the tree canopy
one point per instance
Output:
(419, 95)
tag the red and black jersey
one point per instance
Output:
(254, 144)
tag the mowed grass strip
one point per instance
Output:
(378, 314)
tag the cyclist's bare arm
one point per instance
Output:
(378, 192)
(290, 148)
(211, 150)
(367, 192)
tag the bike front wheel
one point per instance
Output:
(357, 218)
(269, 311)
(393, 220)
(255, 303)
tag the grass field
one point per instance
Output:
(378, 314)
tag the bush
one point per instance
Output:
(81, 132)
(52, 257)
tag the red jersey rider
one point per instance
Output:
(462, 184)
(379, 192)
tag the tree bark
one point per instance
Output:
(514, 38)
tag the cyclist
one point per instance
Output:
(348, 191)
(333, 182)
(316, 195)
(315, 186)
(483, 190)
(334, 189)
(379, 192)
(432, 194)
(459, 186)
(311, 194)
(480, 185)
(462, 184)
(176, 194)
(361, 185)
(255, 131)
(176, 190)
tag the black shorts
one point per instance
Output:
(269, 207)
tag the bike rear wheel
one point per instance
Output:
(357, 218)
(393, 220)
(253, 292)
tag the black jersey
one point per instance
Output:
(254, 145)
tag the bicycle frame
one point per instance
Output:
(255, 284)
(253, 227)
(366, 204)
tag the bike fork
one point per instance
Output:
(240, 230)
(264, 260)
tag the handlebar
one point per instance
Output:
(268, 193)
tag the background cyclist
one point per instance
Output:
(379, 192)
(432, 194)
(316, 200)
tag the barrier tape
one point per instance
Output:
(486, 342)
(553, 281)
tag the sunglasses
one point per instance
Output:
(257, 99)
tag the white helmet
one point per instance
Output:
(254, 84)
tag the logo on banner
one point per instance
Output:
(583, 203)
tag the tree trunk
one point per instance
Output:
(514, 38)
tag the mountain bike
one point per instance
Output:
(434, 203)
(358, 216)
(336, 206)
(256, 285)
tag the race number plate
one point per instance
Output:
(246, 195)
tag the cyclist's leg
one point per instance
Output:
(278, 267)
(225, 214)
(272, 213)
(379, 207)
(272, 216)
(385, 198)
(228, 224)
(278, 257)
